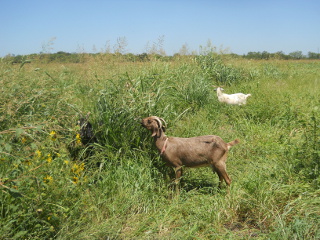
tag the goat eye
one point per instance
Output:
(149, 121)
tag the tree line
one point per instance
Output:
(281, 55)
(64, 57)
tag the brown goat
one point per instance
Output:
(199, 151)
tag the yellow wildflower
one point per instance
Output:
(49, 159)
(38, 153)
(82, 166)
(77, 169)
(48, 179)
(23, 139)
(28, 162)
(78, 138)
(75, 180)
(53, 135)
(66, 162)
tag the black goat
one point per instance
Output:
(86, 131)
(83, 146)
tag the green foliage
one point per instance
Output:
(122, 189)
(307, 153)
(197, 92)
(126, 100)
(279, 55)
(313, 55)
(213, 68)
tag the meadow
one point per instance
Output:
(53, 187)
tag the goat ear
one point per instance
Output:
(154, 131)
(155, 128)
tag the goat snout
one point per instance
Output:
(143, 123)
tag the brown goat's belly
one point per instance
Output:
(195, 164)
(201, 165)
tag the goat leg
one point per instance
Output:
(220, 169)
(178, 173)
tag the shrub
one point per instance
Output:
(307, 154)
(213, 67)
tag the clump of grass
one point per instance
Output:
(306, 155)
(214, 68)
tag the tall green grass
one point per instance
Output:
(49, 193)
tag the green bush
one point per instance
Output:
(214, 68)
(307, 153)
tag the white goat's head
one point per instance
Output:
(219, 90)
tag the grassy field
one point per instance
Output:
(53, 187)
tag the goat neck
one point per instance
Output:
(160, 141)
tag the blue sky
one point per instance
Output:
(239, 26)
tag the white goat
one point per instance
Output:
(233, 99)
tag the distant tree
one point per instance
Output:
(265, 55)
(279, 55)
(253, 55)
(313, 55)
(18, 59)
(296, 55)
(143, 57)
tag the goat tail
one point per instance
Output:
(234, 142)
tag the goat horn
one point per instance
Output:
(165, 124)
(159, 122)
